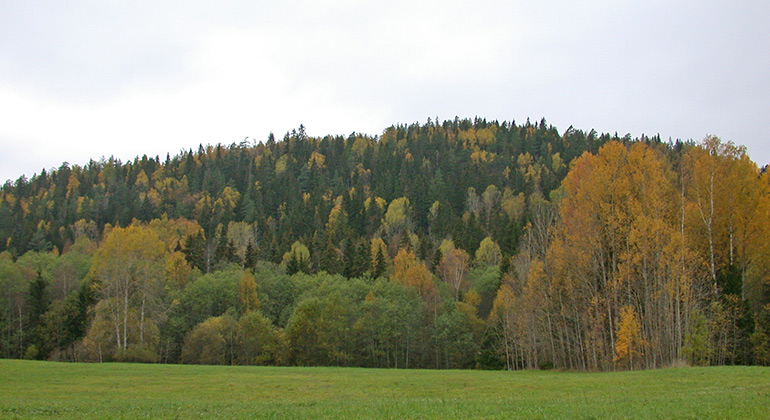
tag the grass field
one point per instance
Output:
(38, 390)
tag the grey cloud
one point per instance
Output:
(681, 69)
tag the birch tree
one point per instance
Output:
(129, 264)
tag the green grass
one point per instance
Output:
(46, 390)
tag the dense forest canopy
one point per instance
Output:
(465, 244)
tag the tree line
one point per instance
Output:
(460, 244)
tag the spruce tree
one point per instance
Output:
(252, 254)
(379, 264)
(349, 260)
(292, 267)
(330, 261)
(362, 260)
(194, 250)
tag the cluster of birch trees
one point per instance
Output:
(643, 261)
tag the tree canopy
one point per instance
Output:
(460, 244)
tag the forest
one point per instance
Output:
(465, 243)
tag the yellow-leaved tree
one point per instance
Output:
(488, 252)
(247, 293)
(619, 243)
(629, 346)
(297, 259)
(410, 272)
(129, 265)
(397, 221)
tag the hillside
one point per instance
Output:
(455, 244)
(280, 185)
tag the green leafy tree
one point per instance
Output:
(210, 342)
(454, 344)
(696, 344)
(211, 295)
(260, 342)
(760, 338)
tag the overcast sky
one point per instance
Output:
(84, 79)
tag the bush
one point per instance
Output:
(31, 353)
(138, 353)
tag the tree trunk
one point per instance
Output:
(141, 321)
(125, 319)
(21, 332)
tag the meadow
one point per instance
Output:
(48, 390)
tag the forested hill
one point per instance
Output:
(461, 244)
(287, 188)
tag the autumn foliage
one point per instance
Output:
(462, 244)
